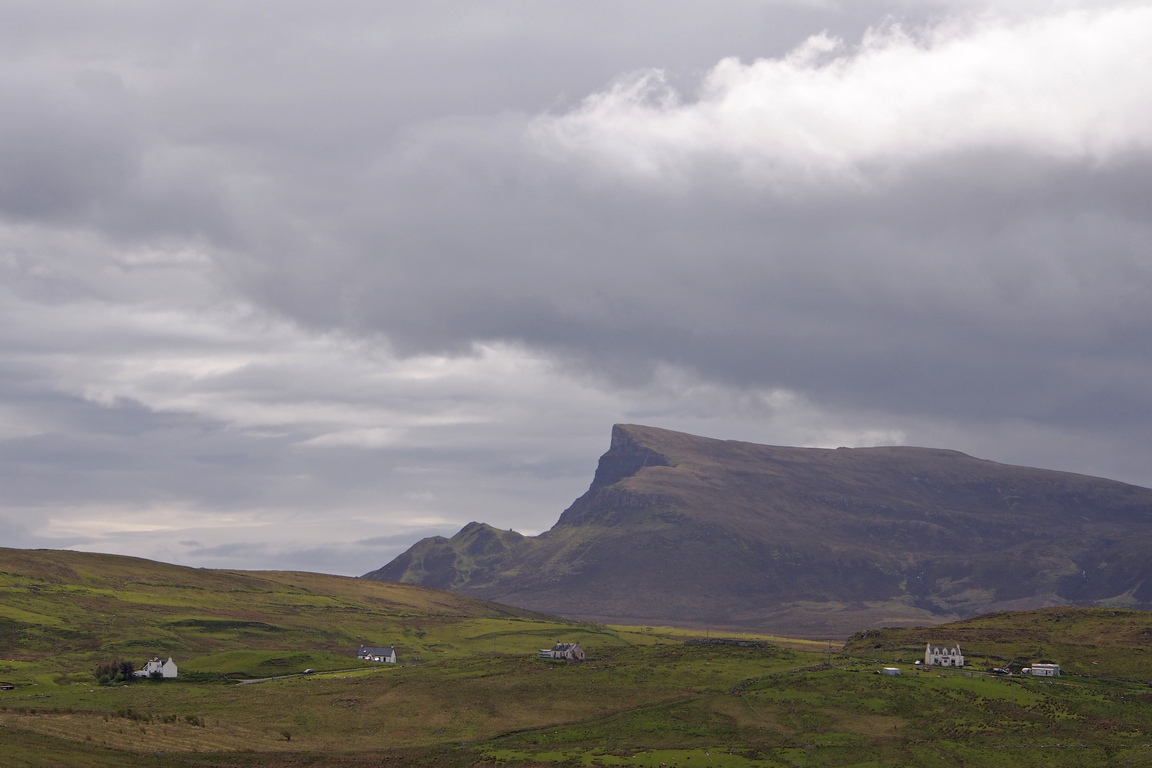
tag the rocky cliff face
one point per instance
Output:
(686, 530)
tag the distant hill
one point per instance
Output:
(62, 612)
(805, 541)
(1096, 642)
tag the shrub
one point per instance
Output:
(111, 672)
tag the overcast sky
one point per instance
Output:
(293, 284)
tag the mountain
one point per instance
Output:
(679, 529)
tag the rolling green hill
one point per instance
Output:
(472, 691)
(63, 612)
(678, 529)
(1096, 642)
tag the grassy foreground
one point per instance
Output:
(472, 693)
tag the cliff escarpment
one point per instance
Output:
(679, 529)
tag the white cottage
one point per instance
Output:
(167, 669)
(569, 651)
(372, 653)
(940, 656)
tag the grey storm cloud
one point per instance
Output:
(65, 144)
(284, 285)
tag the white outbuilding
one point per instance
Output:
(1042, 670)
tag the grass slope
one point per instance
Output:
(63, 612)
(1098, 642)
(479, 696)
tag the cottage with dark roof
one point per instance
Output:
(372, 653)
(569, 651)
(940, 656)
(157, 668)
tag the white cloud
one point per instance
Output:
(1077, 85)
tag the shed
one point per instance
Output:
(1042, 670)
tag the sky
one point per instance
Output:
(292, 285)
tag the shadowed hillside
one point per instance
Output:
(814, 542)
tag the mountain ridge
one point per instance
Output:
(809, 541)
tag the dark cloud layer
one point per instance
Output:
(291, 286)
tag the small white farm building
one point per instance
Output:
(569, 651)
(372, 653)
(1042, 670)
(940, 656)
(167, 669)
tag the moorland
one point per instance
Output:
(471, 690)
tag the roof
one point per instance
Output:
(564, 646)
(372, 650)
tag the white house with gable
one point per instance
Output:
(569, 651)
(941, 656)
(167, 669)
(373, 653)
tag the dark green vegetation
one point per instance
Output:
(119, 671)
(480, 697)
(810, 542)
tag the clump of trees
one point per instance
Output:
(111, 672)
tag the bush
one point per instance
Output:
(114, 672)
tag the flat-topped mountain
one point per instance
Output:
(819, 542)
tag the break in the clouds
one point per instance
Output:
(289, 286)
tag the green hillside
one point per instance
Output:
(63, 612)
(1097, 642)
(685, 530)
(472, 691)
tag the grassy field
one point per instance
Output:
(470, 690)
(1110, 643)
